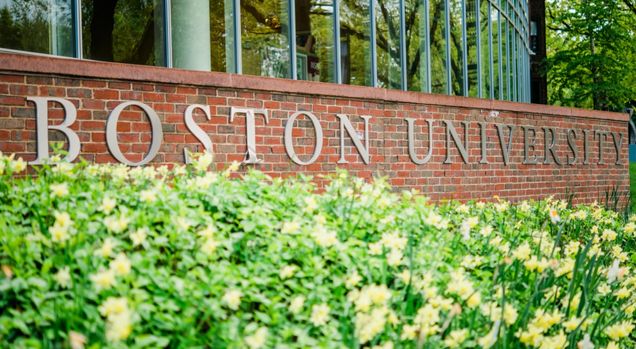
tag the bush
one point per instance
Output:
(108, 256)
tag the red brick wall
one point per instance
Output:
(95, 88)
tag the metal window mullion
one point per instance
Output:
(372, 43)
(491, 70)
(77, 33)
(238, 59)
(427, 54)
(464, 50)
(403, 65)
(336, 43)
(448, 47)
(508, 71)
(291, 21)
(478, 34)
(167, 33)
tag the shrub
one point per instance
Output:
(108, 256)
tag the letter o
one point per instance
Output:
(289, 146)
(111, 133)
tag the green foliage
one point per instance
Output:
(107, 256)
(591, 53)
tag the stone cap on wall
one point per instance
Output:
(14, 61)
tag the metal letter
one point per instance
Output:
(505, 149)
(484, 143)
(451, 132)
(618, 145)
(529, 145)
(572, 144)
(549, 147)
(111, 133)
(411, 140)
(43, 127)
(289, 145)
(600, 134)
(362, 150)
(250, 114)
(196, 130)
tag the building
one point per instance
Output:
(430, 93)
(455, 47)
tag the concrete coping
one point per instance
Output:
(22, 62)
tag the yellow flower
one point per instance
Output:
(310, 204)
(370, 325)
(622, 293)
(474, 300)
(510, 314)
(620, 330)
(554, 342)
(118, 327)
(209, 246)
(59, 190)
(103, 279)
(257, 339)
(18, 166)
(324, 237)
(234, 166)
(120, 265)
(290, 227)
(353, 279)
(62, 219)
(233, 299)
(319, 314)
(148, 196)
(107, 205)
(572, 324)
(532, 336)
(533, 264)
(491, 337)
(608, 235)
(296, 304)
(59, 234)
(456, 338)
(409, 332)
(63, 277)
(107, 248)
(139, 236)
(116, 224)
(612, 345)
(113, 306)
(522, 252)
(394, 258)
(287, 271)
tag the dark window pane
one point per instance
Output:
(129, 31)
(44, 26)
(264, 32)
(438, 46)
(314, 40)
(416, 45)
(387, 14)
(471, 38)
(355, 37)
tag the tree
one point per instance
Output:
(591, 48)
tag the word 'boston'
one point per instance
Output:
(505, 133)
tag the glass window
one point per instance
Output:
(264, 38)
(314, 40)
(472, 31)
(496, 51)
(354, 46)
(505, 59)
(457, 48)
(129, 31)
(438, 46)
(486, 43)
(417, 51)
(44, 26)
(387, 14)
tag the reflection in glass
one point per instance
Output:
(457, 49)
(388, 43)
(129, 31)
(191, 34)
(486, 44)
(354, 46)
(314, 40)
(438, 46)
(471, 45)
(496, 51)
(416, 45)
(264, 33)
(44, 26)
(505, 59)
